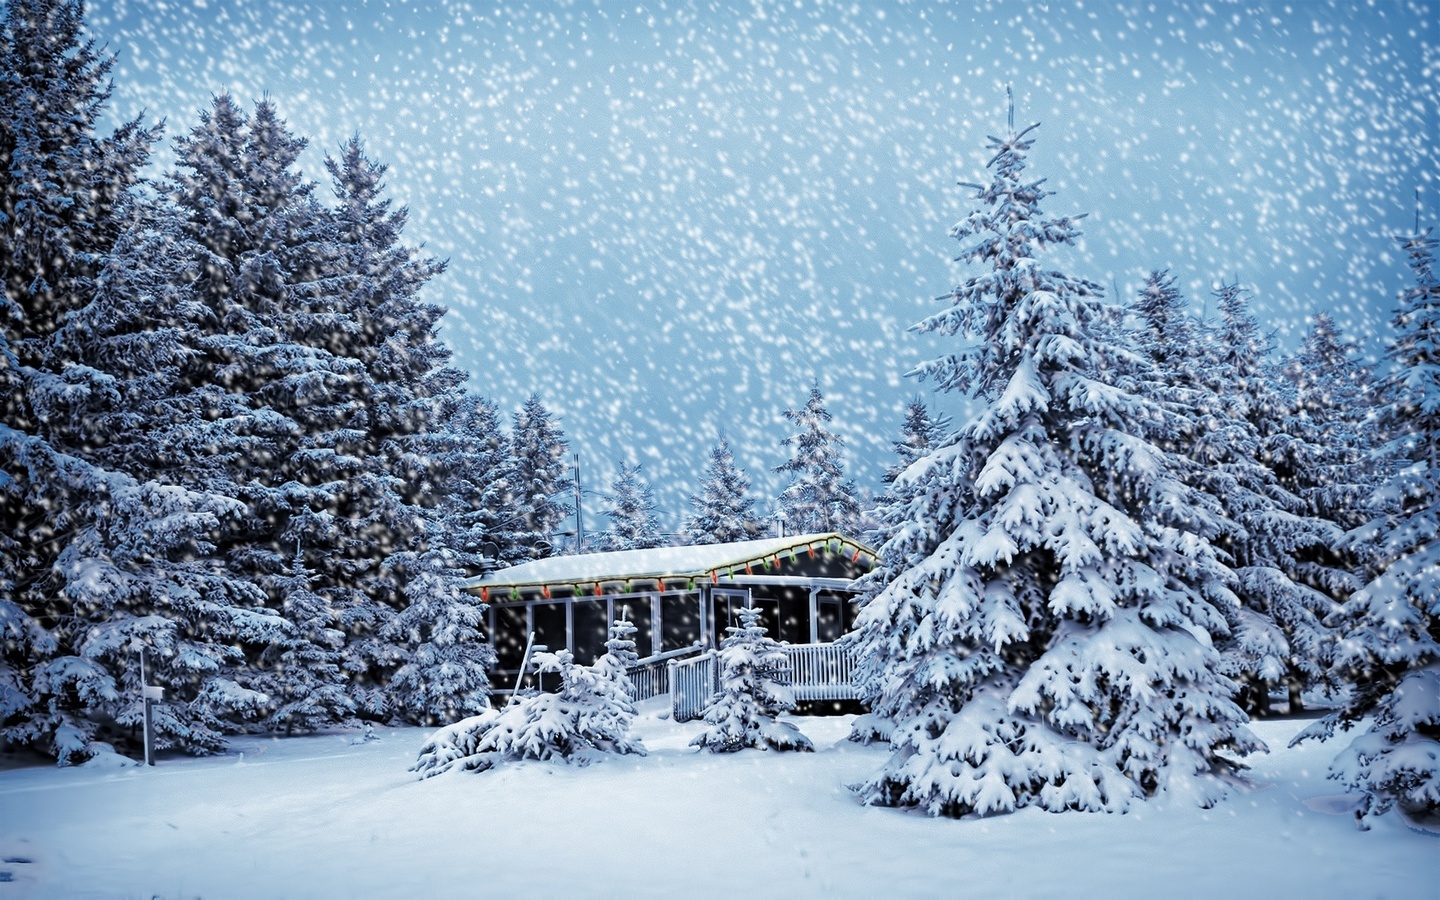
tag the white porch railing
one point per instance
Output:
(692, 681)
(822, 672)
(650, 677)
(689, 676)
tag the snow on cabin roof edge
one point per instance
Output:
(661, 562)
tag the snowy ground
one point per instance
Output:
(324, 817)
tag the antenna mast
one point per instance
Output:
(579, 516)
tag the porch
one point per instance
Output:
(818, 671)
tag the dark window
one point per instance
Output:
(679, 621)
(637, 610)
(550, 625)
(829, 624)
(769, 615)
(591, 630)
(794, 615)
(725, 605)
(509, 637)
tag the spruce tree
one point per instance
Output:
(620, 655)
(754, 690)
(722, 511)
(920, 433)
(476, 503)
(1247, 448)
(100, 562)
(1034, 626)
(1329, 466)
(1390, 651)
(298, 379)
(538, 476)
(633, 525)
(819, 498)
(445, 676)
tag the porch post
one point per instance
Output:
(707, 616)
(814, 615)
(570, 625)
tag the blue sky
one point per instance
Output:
(669, 219)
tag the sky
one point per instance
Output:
(669, 220)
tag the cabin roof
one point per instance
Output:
(662, 562)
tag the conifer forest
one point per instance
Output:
(1113, 332)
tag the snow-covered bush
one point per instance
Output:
(588, 717)
(754, 690)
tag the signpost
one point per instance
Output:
(149, 693)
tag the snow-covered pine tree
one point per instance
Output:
(539, 476)
(1034, 626)
(260, 407)
(63, 189)
(633, 525)
(1390, 651)
(620, 654)
(221, 311)
(476, 505)
(722, 511)
(446, 675)
(301, 668)
(920, 433)
(589, 716)
(1245, 448)
(1330, 466)
(819, 497)
(119, 561)
(361, 304)
(754, 690)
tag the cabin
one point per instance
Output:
(681, 601)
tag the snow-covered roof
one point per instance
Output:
(661, 562)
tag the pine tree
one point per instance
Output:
(1390, 651)
(297, 376)
(110, 562)
(446, 676)
(302, 667)
(1031, 627)
(620, 655)
(722, 511)
(538, 477)
(819, 497)
(476, 505)
(1328, 465)
(754, 690)
(919, 434)
(633, 525)
(1246, 447)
